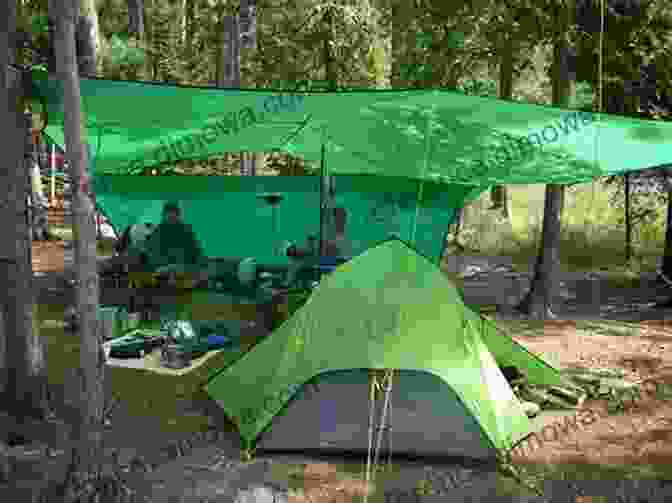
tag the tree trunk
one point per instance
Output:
(498, 194)
(86, 459)
(330, 63)
(136, 18)
(667, 256)
(25, 376)
(628, 223)
(248, 24)
(87, 49)
(228, 74)
(397, 11)
(538, 302)
(88, 39)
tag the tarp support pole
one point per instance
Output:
(326, 186)
(322, 200)
(421, 185)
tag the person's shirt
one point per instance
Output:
(133, 238)
(339, 246)
(171, 244)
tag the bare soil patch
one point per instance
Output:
(642, 434)
(49, 256)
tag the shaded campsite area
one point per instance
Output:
(262, 290)
(194, 448)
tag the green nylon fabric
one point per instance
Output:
(406, 315)
(230, 218)
(422, 134)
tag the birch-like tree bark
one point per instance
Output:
(136, 18)
(87, 432)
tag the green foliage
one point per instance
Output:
(629, 43)
(39, 24)
(122, 52)
(583, 97)
(479, 87)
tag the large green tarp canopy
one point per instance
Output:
(423, 134)
(433, 148)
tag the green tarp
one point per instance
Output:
(422, 134)
(402, 313)
(410, 143)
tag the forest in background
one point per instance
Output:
(483, 47)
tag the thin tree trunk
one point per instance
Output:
(136, 18)
(631, 106)
(498, 194)
(667, 256)
(85, 465)
(88, 38)
(248, 24)
(247, 33)
(538, 302)
(87, 49)
(403, 40)
(330, 68)
(666, 266)
(25, 377)
(628, 223)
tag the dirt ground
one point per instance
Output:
(48, 256)
(639, 436)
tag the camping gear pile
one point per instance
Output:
(180, 341)
(580, 385)
(136, 344)
(545, 397)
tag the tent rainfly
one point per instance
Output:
(306, 386)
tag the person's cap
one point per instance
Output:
(171, 206)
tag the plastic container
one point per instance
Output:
(247, 271)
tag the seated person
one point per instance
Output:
(336, 246)
(339, 245)
(173, 246)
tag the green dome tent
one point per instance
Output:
(389, 308)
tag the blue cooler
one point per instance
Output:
(329, 264)
(218, 341)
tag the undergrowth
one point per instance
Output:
(592, 236)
